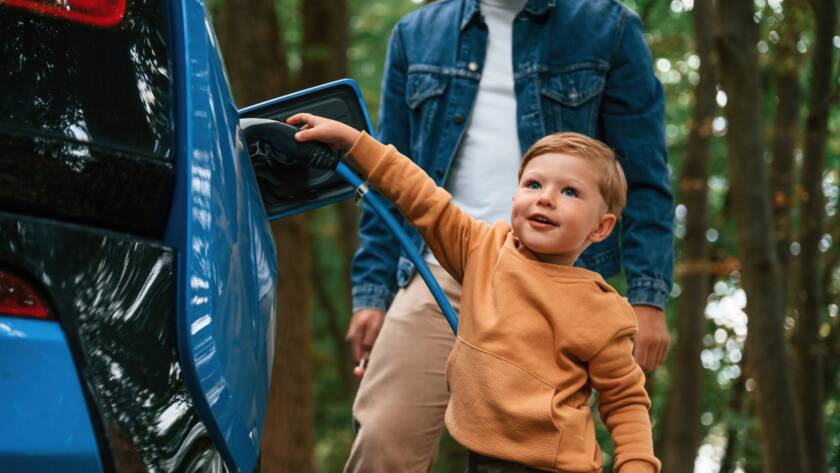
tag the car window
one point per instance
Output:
(110, 87)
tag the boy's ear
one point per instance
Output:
(604, 228)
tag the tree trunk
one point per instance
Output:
(832, 340)
(324, 59)
(335, 322)
(288, 438)
(254, 51)
(681, 431)
(785, 128)
(256, 62)
(324, 46)
(807, 351)
(768, 362)
(737, 396)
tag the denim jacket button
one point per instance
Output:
(458, 119)
(473, 66)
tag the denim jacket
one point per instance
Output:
(578, 65)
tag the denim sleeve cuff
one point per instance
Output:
(648, 291)
(371, 296)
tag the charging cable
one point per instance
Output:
(378, 205)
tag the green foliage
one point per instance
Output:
(371, 22)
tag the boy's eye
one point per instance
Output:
(569, 191)
(533, 185)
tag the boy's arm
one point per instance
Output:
(623, 404)
(449, 231)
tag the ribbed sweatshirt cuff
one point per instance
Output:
(638, 466)
(366, 152)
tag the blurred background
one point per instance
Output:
(752, 89)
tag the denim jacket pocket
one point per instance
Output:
(570, 99)
(423, 94)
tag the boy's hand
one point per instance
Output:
(652, 340)
(335, 134)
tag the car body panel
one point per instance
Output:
(46, 424)
(167, 318)
(225, 251)
(114, 296)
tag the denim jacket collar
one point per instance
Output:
(534, 7)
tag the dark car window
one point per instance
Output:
(108, 87)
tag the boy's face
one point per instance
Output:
(558, 210)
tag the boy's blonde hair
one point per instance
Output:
(611, 183)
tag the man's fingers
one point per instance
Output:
(652, 338)
(641, 360)
(355, 341)
(663, 352)
(356, 348)
(370, 334)
(642, 355)
(649, 354)
(364, 328)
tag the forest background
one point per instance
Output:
(752, 88)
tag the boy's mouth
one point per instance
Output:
(540, 218)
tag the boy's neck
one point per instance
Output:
(554, 259)
(559, 260)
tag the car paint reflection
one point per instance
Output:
(115, 298)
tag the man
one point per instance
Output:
(469, 85)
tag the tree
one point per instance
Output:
(807, 350)
(324, 59)
(785, 125)
(681, 432)
(767, 360)
(250, 37)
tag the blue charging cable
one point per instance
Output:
(378, 206)
(279, 137)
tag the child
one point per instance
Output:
(536, 333)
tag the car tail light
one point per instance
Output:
(19, 298)
(92, 12)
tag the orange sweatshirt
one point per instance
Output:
(534, 338)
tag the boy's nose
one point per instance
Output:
(545, 200)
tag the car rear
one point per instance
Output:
(90, 378)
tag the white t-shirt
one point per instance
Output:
(482, 179)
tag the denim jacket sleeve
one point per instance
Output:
(632, 120)
(374, 268)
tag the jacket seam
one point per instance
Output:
(619, 34)
(443, 70)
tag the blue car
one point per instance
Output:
(137, 269)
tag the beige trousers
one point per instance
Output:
(402, 398)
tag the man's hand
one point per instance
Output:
(652, 340)
(362, 333)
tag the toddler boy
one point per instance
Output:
(536, 333)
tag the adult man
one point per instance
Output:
(455, 102)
